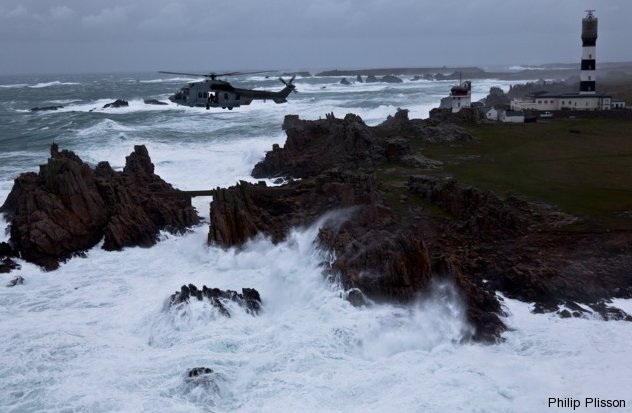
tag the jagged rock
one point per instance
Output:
(359, 79)
(118, 103)
(481, 212)
(46, 108)
(397, 148)
(16, 281)
(429, 130)
(201, 377)
(314, 146)
(198, 371)
(7, 265)
(241, 212)
(497, 97)
(391, 79)
(355, 297)
(249, 298)
(390, 241)
(6, 250)
(154, 102)
(371, 79)
(465, 115)
(344, 81)
(68, 207)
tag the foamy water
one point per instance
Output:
(97, 336)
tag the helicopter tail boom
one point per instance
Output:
(283, 94)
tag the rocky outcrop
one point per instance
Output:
(427, 131)
(118, 103)
(482, 213)
(391, 79)
(249, 299)
(6, 258)
(497, 98)
(391, 231)
(154, 102)
(315, 146)
(46, 108)
(359, 79)
(19, 280)
(241, 212)
(344, 81)
(371, 79)
(68, 207)
(465, 115)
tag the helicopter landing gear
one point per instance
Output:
(230, 108)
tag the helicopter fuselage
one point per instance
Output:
(214, 93)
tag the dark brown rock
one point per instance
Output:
(391, 241)
(315, 146)
(68, 207)
(241, 212)
(118, 103)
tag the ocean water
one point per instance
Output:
(96, 335)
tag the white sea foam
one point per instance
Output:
(53, 83)
(13, 86)
(135, 105)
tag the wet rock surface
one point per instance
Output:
(46, 108)
(68, 207)
(7, 253)
(118, 103)
(392, 229)
(154, 102)
(19, 280)
(249, 298)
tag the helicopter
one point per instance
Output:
(215, 93)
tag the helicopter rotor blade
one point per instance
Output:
(184, 74)
(239, 73)
(213, 75)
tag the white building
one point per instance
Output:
(491, 114)
(568, 101)
(508, 116)
(460, 97)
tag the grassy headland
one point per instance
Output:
(584, 166)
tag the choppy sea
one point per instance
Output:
(95, 336)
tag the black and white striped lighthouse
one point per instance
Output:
(588, 72)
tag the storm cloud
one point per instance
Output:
(44, 36)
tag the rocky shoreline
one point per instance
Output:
(391, 239)
(68, 207)
(391, 225)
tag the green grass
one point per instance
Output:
(588, 173)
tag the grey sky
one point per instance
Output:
(70, 36)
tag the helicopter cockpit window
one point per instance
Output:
(200, 95)
(185, 91)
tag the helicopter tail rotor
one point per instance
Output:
(289, 84)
